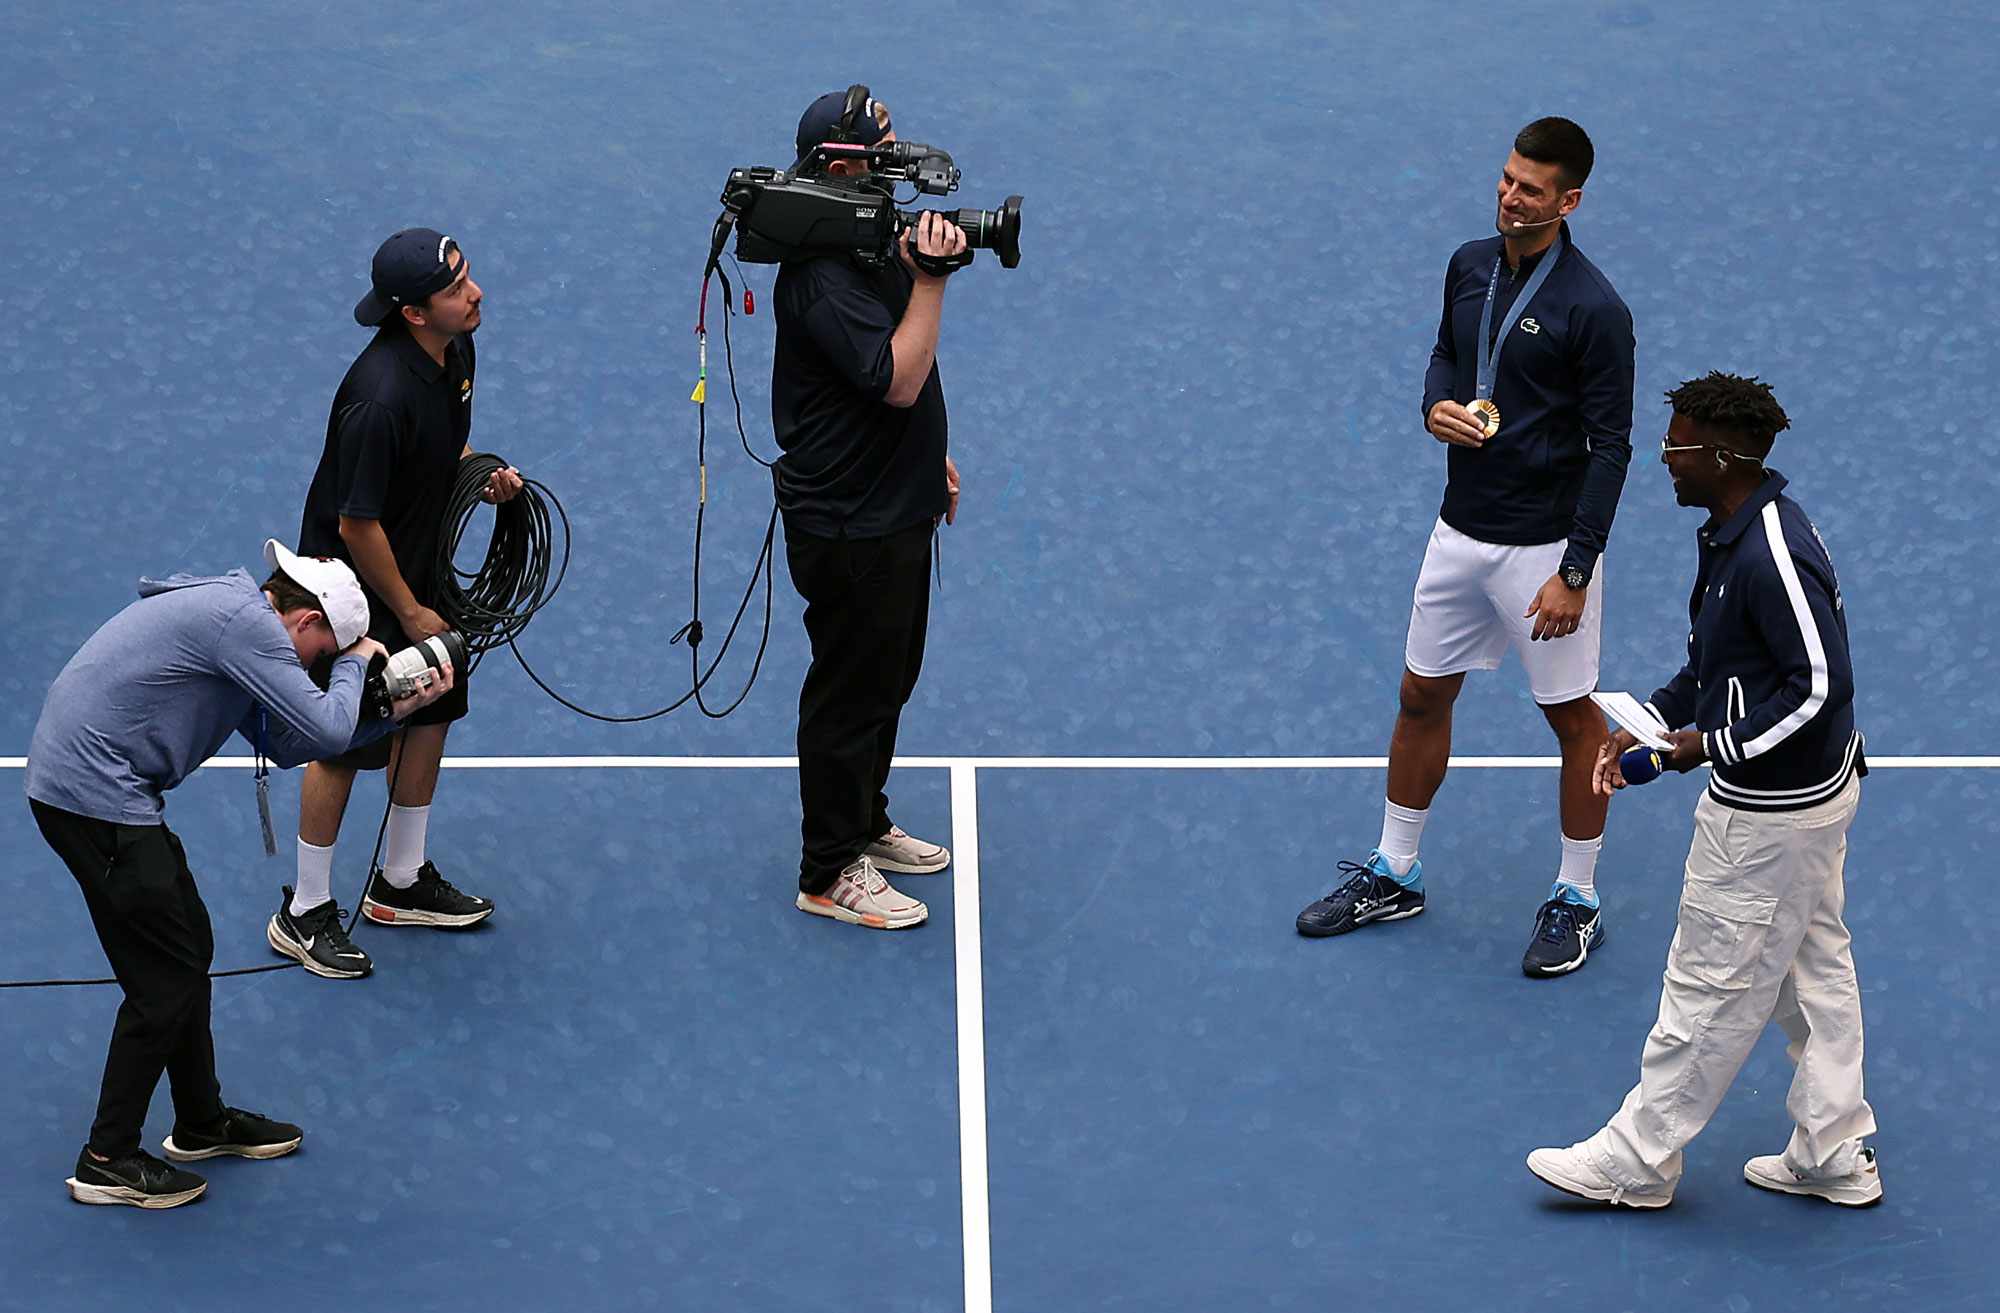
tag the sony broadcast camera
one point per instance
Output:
(803, 211)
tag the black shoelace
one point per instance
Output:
(1558, 923)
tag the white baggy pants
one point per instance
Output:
(1760, 939)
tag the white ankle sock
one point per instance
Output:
(1579, 863)
(1402, 831)
(403, 849)
(315, 878)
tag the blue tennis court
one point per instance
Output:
(1161, 672)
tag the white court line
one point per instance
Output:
(1045, 763)
(973, 1198)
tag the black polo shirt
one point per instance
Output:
(393, 439)
(853, 465)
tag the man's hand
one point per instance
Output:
(1557, 609)
(935, 235)
(950, 490)
(1453, 423)
(1609, 777)
(422, 623)
(440, 684)
(367, 649)
(1688, 751)
(502, 486)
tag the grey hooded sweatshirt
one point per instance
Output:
(163, 684)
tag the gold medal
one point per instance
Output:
(1487, 414)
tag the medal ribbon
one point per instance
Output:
(1489, 347)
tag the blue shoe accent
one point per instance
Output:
(1412, 880)
(1569, 893)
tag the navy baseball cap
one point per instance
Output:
(409, 267)
(821, 121)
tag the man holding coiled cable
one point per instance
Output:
(400, 424)
(858, 408)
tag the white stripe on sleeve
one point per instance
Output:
(1774, 538)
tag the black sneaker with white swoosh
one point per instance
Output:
(431, 901)
(317, 941)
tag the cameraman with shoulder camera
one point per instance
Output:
(152, 695)
(859, 413)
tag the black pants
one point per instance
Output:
(155, 931)
(867, 605)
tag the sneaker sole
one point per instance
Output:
(1323, 932)
(125, 1194)
(1845, 1197)
(282, 944)
(1616, 1199)
(258, 1151)
(382, 914)
(906, 868)
(820, 906)
(1564, 968)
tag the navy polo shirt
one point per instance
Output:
(399, 423)
(853, 466)
(1564, 389)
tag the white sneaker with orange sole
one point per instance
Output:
(860, 896)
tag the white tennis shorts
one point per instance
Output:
(1468, 611)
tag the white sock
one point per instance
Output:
(315, 878)
(1579, 865)
(1402, 831)
(404, 846)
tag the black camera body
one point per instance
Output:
(805, 211)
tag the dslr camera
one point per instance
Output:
(410, 671)
(804, 211)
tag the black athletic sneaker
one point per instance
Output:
(1565, 932)
(239, 1134)
(1370, 893)
(317, 940)
(432, 900)
(138, 1179)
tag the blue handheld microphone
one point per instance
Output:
(1640, 765)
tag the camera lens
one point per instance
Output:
(993, 230)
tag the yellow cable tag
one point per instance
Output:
(700, 397)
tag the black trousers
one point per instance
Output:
(867, 606)
(155, 931)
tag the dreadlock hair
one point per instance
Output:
(1560, 142)
(1744, 406)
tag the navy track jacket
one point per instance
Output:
(1564, 388)
(1768, 681)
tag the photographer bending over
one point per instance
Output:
(153, 694)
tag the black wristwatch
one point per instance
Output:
(1574, 577)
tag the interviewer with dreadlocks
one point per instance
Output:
(1770, 691)
(149, 697)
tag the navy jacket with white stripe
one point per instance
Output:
(1768, 681)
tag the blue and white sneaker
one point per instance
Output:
(1369, 893)
(1569, 925)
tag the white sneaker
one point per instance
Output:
(1571, 1171)
(860, 896)
(897, 851)
(1858, 1189)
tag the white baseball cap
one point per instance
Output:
(331, 581)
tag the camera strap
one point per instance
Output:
(264, 783)
(937, 266)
